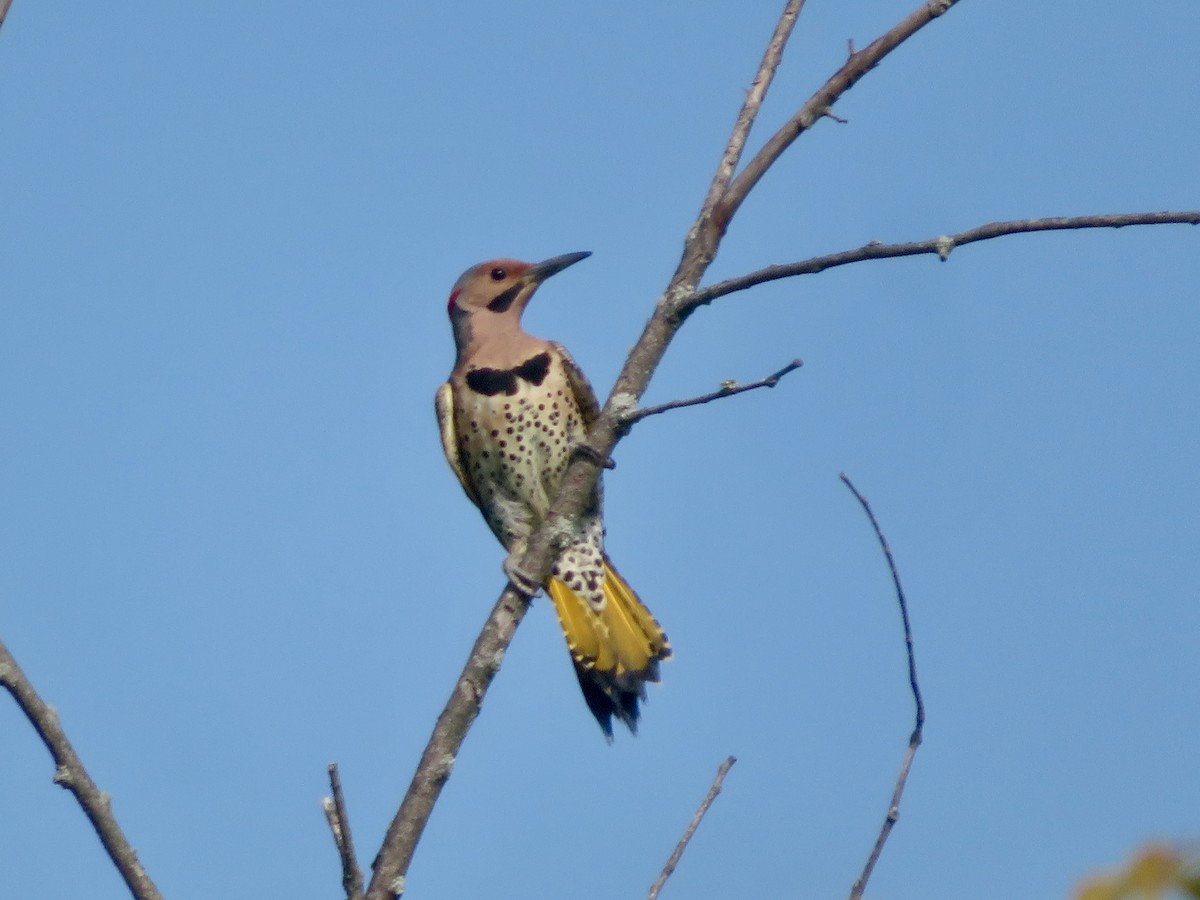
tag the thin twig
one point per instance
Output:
(701, 812)
(942, 246)
(339, 825)
(727, 389)
(914, 740)
(70, 774)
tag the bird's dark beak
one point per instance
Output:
(554, 265)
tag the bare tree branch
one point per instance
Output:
(675, 305)
(942, 246)
(70, 774)
(391, 864)
(914, 740)
(701, 812)
(819, 104)
(672, 309)
(339, 825)
(727, 389)
(395, 856)
(754, 98)
(4, 5)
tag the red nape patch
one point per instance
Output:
(453, 297)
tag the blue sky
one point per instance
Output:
(230, 549)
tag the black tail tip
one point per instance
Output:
(607, 700)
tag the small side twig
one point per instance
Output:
(339, 826)
(914, 741)
(71, 775)
(677, 854)
(727, 389)
(942, 246)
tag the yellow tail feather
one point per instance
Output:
(616, 649)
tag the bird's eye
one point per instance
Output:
(498, 274)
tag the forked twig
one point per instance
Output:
(701, 812)
(339, 826)
(914, 741)
(727, 389)
(70, 774)
(821, 103)
(753, 103)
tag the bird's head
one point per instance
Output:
(502, 287)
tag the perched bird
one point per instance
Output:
(513, 412)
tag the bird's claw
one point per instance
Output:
(519, 578)
(588, 452)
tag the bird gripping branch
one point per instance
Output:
(511, 414)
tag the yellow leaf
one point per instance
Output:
(1157, 872)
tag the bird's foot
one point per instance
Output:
(525, 585)
(588, 452)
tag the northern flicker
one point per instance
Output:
(511, 414)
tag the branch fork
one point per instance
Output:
(731, 184)
(682, 296)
